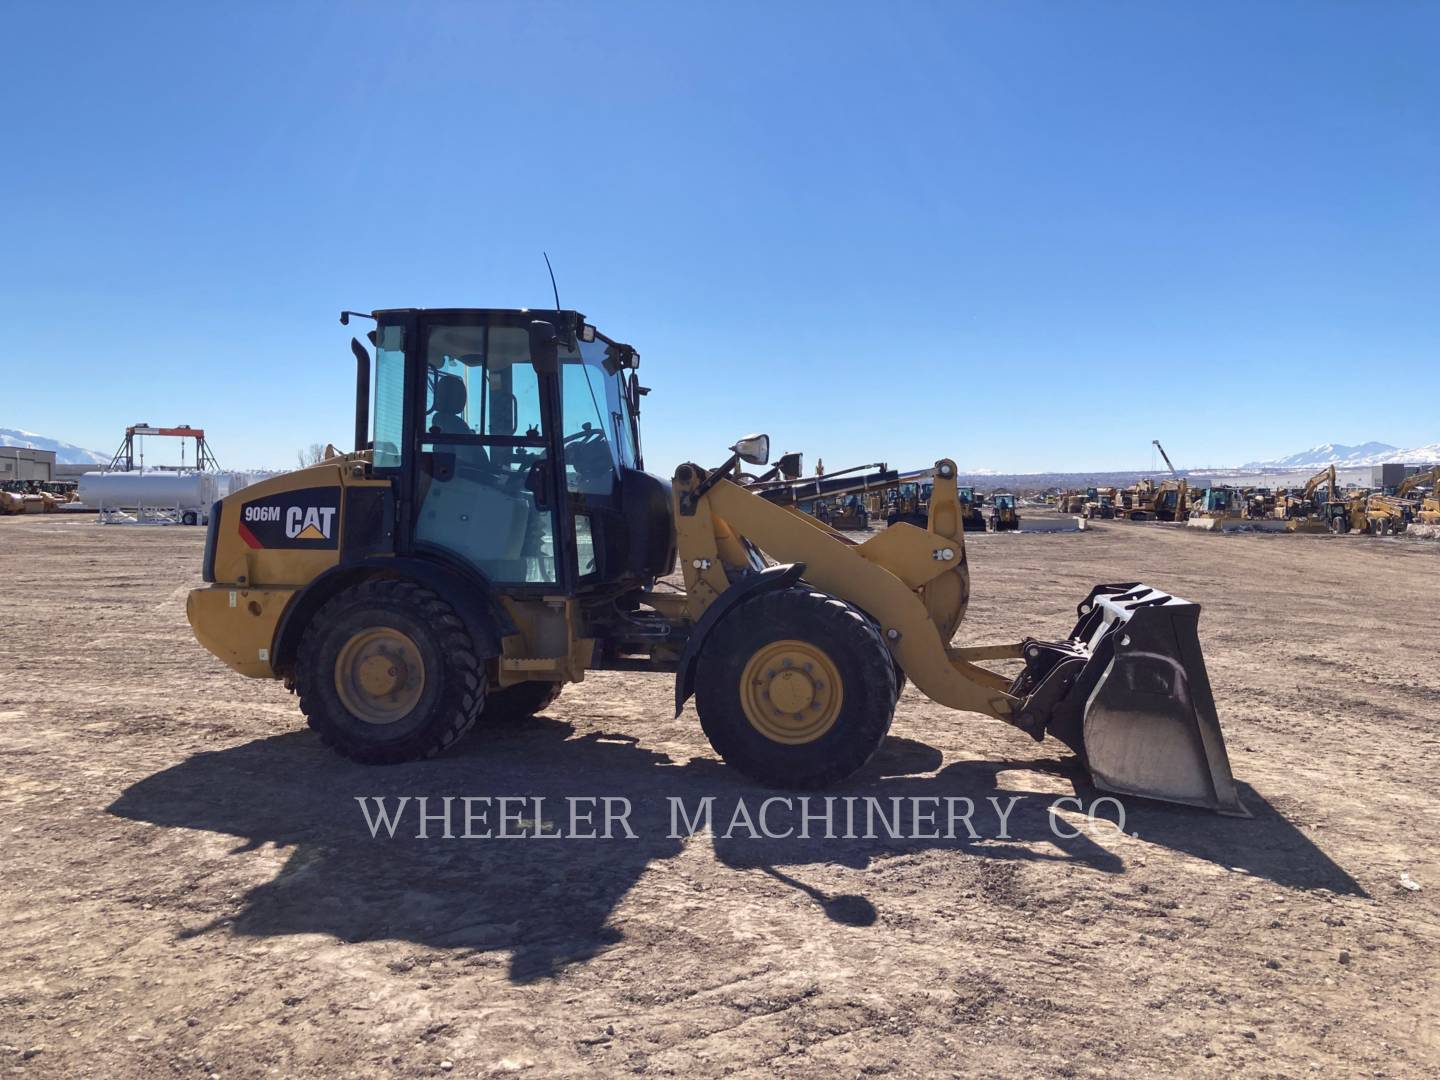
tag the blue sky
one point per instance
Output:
(1027, 236)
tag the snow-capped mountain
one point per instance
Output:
(1351, 457)
(65, 453)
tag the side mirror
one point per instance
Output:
(791, 465)
(753, 449)
(544, 347)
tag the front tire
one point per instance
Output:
(796, 689)
(387, 672)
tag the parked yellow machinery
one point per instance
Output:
(1099, 503)
(1137, 502)
(1003, 514)
(1387, 514)
(1428, 511)
(972, 516)
(1323, 504)
(1172, 500)
(481, 548)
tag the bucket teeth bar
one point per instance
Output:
(1129, 693)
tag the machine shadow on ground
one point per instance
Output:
(548, 900)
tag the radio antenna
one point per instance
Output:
(553, 286)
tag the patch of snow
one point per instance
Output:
(65, 453)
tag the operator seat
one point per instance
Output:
(449, 403)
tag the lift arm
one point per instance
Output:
(913, 582)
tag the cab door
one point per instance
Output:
(486, 469)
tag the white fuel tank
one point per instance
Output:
(154, 489)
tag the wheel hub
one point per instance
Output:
(791, 692)
(379, 675)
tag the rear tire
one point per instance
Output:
(518, 703)
(387, 672)
(818, 656)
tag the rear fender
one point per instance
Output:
(471, 598)
(767, 580)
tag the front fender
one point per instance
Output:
(486, 621)
(767, 580)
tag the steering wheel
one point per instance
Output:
(588, 452)
(588, 433)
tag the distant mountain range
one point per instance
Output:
(1351, 457)
(65, 453)
(1342, 456)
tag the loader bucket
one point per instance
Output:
(1128, 692)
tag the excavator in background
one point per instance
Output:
(1388, 514)
(1171, 500)
(1430, 478)
(484, 546)
(1428, 510)
(1330, 507)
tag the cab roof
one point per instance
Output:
(537, 313)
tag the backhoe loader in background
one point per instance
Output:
(494, 536)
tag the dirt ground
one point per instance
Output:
(190, 889)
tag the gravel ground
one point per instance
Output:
(190, 889)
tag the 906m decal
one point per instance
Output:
(294, 519)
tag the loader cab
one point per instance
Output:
(512, 441)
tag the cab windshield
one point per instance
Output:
(598, 432)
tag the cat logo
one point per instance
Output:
(306, 519)
(309, 522)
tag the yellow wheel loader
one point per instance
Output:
(495, 536)
(1003, 513)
